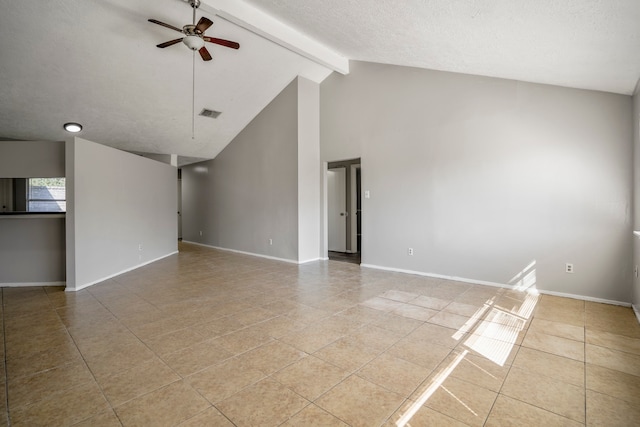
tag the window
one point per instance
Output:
(46, 195)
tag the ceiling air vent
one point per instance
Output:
(210, 113)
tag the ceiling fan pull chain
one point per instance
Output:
(193, 97)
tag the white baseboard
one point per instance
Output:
(273, 258)
(636, 310)
(437, 276)
(30, 284)
(499, 285)
(86, 285)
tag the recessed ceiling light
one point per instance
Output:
(73, 127)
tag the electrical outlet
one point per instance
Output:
(140, 247)
(568, 268)
(635, 271)
(201, 233)
(410, 251)
(270, 241)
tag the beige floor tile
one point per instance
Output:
(614, 383)
(66, 407)
(382, 304)
(375, 337)
(222, 381)
(512, 412)
(210, 417)
(28, 389)
(312, 416)
(415, 312)
(605, 411)
(262, 404)
(441, 335)
(104, 419)
(613, 359)
(277, 327)
(552, 395)
(398, 295)
(197, 357)
(159, 327)
(361, 314)
(311, 338)
(421, 416)
(173, 341)
(555, 345)
(461, 400)
(478, 370)
(272, 357)
(29, 345)
(243, 340)
(166, 406)
(141, 379)
(307, 314)
(394, 374)
(359, 402)
(118, 358)
(347, 354)
(418, 352)
(462, 309)
(561, 315)
(562, 303)
(431, 302)
(613, 341)
(557, 329)
(310, 377)
(449, 320)
(253, 316)
(218, 327)
(399, 324)
(561, 368)
(48, 359)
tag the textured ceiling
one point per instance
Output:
(589, 44)
(95, 62)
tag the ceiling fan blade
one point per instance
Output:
(222, 42)
(204, 53)
(203, 24)
(170, 43)
(155, 21)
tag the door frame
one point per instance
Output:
(325, 205)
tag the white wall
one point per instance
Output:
(116, 201)
(483, 176)
(309, 170)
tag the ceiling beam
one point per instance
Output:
(257, 21)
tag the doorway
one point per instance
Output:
(344, 213)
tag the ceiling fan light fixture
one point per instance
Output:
(73, 127)
(193, 42)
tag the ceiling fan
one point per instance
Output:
(194, 34)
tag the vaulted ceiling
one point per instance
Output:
(95, 62)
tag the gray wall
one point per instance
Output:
(483, 176)
(636, 207)
(32, 249)
(31, 159)
(116, 201)
(248, 193)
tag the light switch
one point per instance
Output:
(367, 195)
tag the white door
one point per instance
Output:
(337, 209)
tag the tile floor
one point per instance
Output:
(211, 338)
